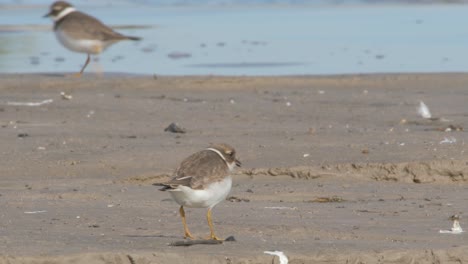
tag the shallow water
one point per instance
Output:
(250, 39)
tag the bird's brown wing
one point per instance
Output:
(89, 28)
(197, 170)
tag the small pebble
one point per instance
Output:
(175, 128)
(23, 135)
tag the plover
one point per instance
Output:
(202, 181)
(80, 32)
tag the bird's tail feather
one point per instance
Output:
(133, 38)
(164, 186)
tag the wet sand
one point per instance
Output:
(337, 169)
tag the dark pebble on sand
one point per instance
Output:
(175, 128)
(230, 239)
(128, 136)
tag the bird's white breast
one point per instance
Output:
(89, 46)
(209, 197)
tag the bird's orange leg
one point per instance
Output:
(83, 68)
(210, 223)
(184, 222)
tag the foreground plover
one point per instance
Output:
(203, 180)
(80, 32)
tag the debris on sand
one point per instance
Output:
(450, 128)
(456, 228)
(175, 128)
(332, 199)
(448, 140)
(43, 102)
(36, 212)
(423, 110)
(237, 199)
(282, 257)
(23, 135)
(90, 114)
(66, 96)
(280, 208)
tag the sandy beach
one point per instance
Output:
(336, 169)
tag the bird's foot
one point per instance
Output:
(189, 236)
(214, 237)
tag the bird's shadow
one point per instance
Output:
(186, 242)
(151, 236)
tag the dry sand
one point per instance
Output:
(337, 169)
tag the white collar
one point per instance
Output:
(64, 12)
(217, 152)
(231, 165)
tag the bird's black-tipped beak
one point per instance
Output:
(47, 15)
(238, 163)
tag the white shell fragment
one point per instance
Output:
(66, 96)
(456, 228)
(43, 102)
(423, 110)
(35, 212)
(282, 257)
(448, 140)
(280, 208)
